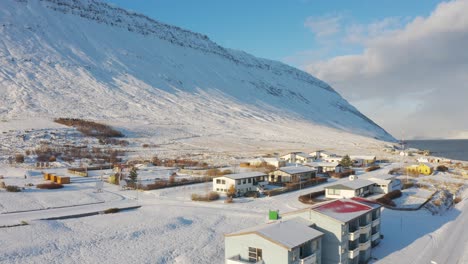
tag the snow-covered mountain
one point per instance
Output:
(86, 58)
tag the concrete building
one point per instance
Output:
(292, 174)
(352, 188)
(243, 182)
(293, 241)
(297, 157)
(269, 161)
(385, 183)
(361, 160)
(351, 228)
(323, 167)
(319, 154)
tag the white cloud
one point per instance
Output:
(324, 26)
(423, 64)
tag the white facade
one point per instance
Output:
(385, 183)
(350, 189)
(243, 182)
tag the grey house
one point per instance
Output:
(293, 241)
(351, 228)
(292, 174)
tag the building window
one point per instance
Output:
(334, 192)
(255, 254)
(218, 181)
(223, 181)
(238, 182)
(249, 180)
(217, 189)
(244, 181)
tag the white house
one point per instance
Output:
(352, 188)
(292, 241)
(243, 182)
(361, 160)
(334, 159)
(270, 161)
(292, 174)
(297, 157)
(323, 167)
(351, 228)
(320, 154)
(385, 183)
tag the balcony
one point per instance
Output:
(364, 246)
(355, 235)
(353, 253)
(312, 259)
(365, 229)
(376, 222)
(375, 236)
(238, 260)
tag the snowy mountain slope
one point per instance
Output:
(85, 58)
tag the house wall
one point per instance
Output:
(286, 177)
(332, 241)
(343, 193)
(239, 245)
(224, 184)
(242, 186)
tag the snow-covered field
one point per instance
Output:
(170, 228)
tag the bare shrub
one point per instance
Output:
(211, 196)
(90, 128)
(372, 168)
(12, 188)
(111, 211)
(442, 168)
(19, 158)
(49, 186)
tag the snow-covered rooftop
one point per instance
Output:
(343, 210)
(351, 185)
(289, 234)
(296, 169)
(244, 175)
(322, 164)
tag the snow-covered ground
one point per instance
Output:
(170, 228)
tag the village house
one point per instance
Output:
(334, 159)
(243, 182)
(320, 154)
(292, 241)
(422, 168)
(363, 161)
(323, 167)
(351, 228)
(297, 157)
(292, 174)
(276, 162)
(385, 183)
(352, 188)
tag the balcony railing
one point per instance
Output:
(354, 253)
(355, 235)
(364, 246)
(376, 222)
(312, 259)
(375, 236)
(365, 229)
(238, 260)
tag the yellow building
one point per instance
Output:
(422, 168)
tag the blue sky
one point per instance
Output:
(403, 63)
(272, 29)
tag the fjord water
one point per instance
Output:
(456, 149)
